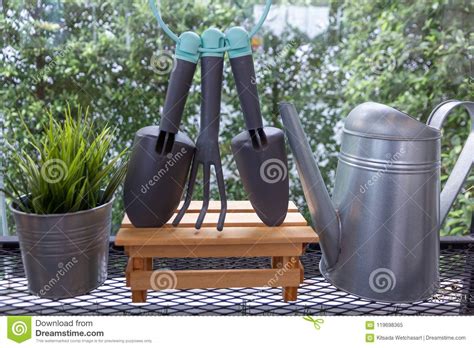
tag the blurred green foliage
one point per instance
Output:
(408, 54)
(413, 55)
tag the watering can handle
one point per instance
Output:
(465, 161)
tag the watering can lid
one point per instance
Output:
(381, 121)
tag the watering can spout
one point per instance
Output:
(321, 208)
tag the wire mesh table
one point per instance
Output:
(315, 296)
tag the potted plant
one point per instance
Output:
(62, 204)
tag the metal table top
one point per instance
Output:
(315, 296)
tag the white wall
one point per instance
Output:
(311, 20)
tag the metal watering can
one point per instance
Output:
(379, 235)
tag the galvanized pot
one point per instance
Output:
(64, 255)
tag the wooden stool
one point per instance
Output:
(244, 235)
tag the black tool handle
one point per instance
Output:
(245, 81)
(178, 89)
(211, 83)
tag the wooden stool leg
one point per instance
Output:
(139, 264)
(290, 293)
(128, 269)
(277, 262)
(148, 264)
(300, 265)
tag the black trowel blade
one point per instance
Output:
(264, 174)
(154, 183)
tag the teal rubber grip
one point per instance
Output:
(213, 38)
(187, 47)
(238, 40)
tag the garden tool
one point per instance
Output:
(271, 159)
(161, 156)
(380, 233)
(207, 144)
(259, 151)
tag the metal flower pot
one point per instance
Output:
(64, 255)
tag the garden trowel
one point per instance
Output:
(161, 156)
(259, 151)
